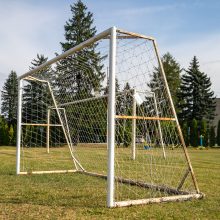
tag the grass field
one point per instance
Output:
(70, 196)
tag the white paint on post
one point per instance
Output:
(19, 113)
(111, 118)
(134, 104)
(48, 131)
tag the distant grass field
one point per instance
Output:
(74, 196)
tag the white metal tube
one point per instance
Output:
(68, 52)
(48, 131)
(19, 115)
(111, 118)
(134, 127)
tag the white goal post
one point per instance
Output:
(106, 99)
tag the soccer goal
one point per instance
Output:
(103, 110)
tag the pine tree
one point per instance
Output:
(3, 131)
(9, 98)
(185, 129)
(11, 135)
(203, 132)
(218, 134)
(126, 108)
(172, 70)
(34, 93)
(194, 133)
(196, 98)
(36, 99)
(212, 137)
(81, 73)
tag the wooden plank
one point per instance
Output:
(47, 172)
(183, 179)
(143, 118)
(177, 198)
(40, 124)
(134, 34)
(163, 188)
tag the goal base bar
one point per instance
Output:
(177, 198)
(47, 172)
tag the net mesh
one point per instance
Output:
(64, 121)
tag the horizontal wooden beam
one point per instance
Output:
(176, 198)
(26, 124)
(47, 172)
(161, 188)
(143, 118)
(134, 34)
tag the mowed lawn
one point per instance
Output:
(77, 196)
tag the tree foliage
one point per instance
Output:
(204, 132)
(194, 133)
(185, 130)
(172, 70)
(35, 102)
(196, 97)
(212, 137)
(81, 73)
(9, 98)
(4, 140)
(218, 134)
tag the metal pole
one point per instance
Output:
(111, 118)
(134, 126)
(19, 113)
(48, 131)
(159, 126)
(176, 119)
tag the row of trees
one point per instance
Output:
(190, 89)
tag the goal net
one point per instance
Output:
(103, 109)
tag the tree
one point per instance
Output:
(218, 134)
(9, 98)
(212, 138)
(126, 109)
(195, 97)
(203, 132)
(81, 73)
(36, 99)
(11, 136)
(3, 131)
(172, 70)
(194, 133)
(35, 94)
(185, 129)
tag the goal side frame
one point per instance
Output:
(111, 34)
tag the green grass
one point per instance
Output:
(77, 196)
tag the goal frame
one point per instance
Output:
(111, 35)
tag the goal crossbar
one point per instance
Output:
(143, 118)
